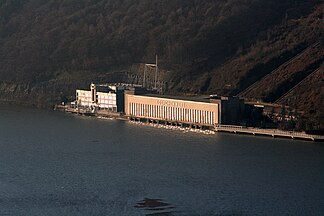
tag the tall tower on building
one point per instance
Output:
(93, 93)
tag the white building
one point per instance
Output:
(99, 99)
(107, 100)
(84, 98)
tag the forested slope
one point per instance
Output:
(40, 39)
(49, 47)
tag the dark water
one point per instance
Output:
(58, 164)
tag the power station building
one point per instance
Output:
(135, 103)
(203, 111)
(171, 110)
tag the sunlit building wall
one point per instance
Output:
(173, 110)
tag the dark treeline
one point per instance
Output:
(50, 47)
(40, 39)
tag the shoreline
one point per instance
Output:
(211, 130)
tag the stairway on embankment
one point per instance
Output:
(308, 94)
(285, 77)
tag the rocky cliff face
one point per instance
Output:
(39, 95)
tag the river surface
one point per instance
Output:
(54, 163)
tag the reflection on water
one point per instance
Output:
(158, 206)
(57, 164)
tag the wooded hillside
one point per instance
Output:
(49, 47)
(40, 39)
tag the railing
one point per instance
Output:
(273, 132)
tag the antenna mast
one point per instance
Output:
(144, 78)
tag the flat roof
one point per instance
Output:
(198, 98)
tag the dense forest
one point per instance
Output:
(48, 47)
(39, 39)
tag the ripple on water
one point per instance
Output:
(158, 207)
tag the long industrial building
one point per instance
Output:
(136, 103)
(172, 110)
(204, 112)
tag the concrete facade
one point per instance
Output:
(107, 100)
(231, 109)
(83, 98)
(94, 98)
(173, 110)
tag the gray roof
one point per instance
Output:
(198, 98)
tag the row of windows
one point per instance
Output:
(107, 106)
(84, 96)
(85, 103)
(87, 94)
(102, 99)
(84, 99)
(80, 97)
(100, 95)
(106, 102)
(89, 99)
(101, 105)
(106, 97)
(173, 113)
